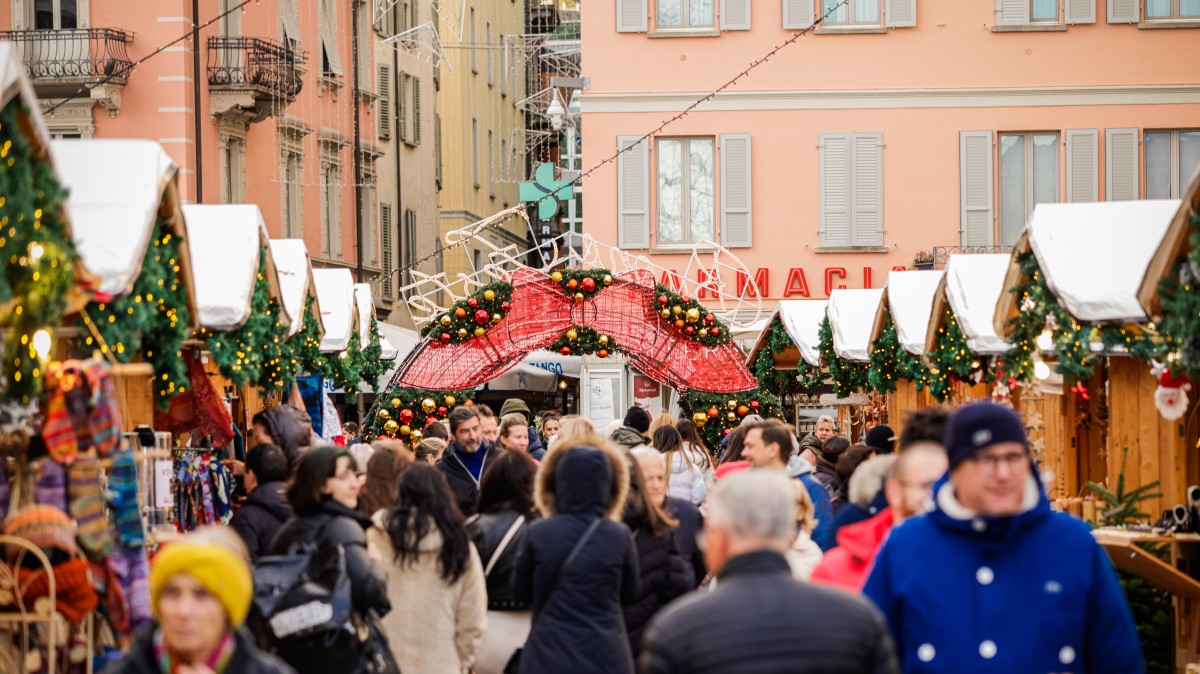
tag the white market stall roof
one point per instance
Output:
(295, 281)
(1175, 245)
(973, 286)
(400, 341)
(908, 295)
(852, 317)
(335, 292)
(802, 321)
(364, 301)
(1093, 256)
(117, 189)
(225, 243)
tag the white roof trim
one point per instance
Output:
(975, 285)
(365, 303)
(14, 84)
(115, 188)
(910, 300)
(224, 242)
(852, 317)
(802, 321)
(1095, 255)
(295, 275)
(335, 294)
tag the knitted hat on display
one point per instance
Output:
(47, 527)
(881, 439)
(225, 575)
(975, 427)
(638, 419)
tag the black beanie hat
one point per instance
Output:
(638, 419)
(881, 439)
(978, 426)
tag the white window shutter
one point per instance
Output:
(1079, 11)
(975, 188)
(633, 193)
(735, 14)
(290, 13)
(797, 14)
(329, 35)
(1123, 11)
(1012, 12)
(867, 167)
(1121, 164)
(385, 101)
(902, 13)
(632, 16)
(834, 179)
(736, 191)
(1083, 160)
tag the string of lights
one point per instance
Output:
(754, 64)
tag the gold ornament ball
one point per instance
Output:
(428, 405)
(384, 414)
(405, 429)
(450, 400)
(732, 416)
(703, 332)
(677, 310)
(462, 333)
(489, 295)
(578, 297)
(446, 320)
(699, 419)
(732, 404)
(604, 339)
(390, 427)
(479, 332)
(693, 315)
(572, 335)
(416, 436)
(665, 313)
(556, 277)
(396, 402)
(607, 280)
(497, 317)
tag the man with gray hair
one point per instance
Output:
(758, 618)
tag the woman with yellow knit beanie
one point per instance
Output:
(200, 592)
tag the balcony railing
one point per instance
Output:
(76, 54)
(254, 63)
(941, 254)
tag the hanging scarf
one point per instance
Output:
(218, 661)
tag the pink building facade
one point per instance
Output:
(896, 126)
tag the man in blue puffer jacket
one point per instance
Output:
(991, 580)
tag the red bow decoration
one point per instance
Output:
(542, 312)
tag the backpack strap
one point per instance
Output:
(508, 536)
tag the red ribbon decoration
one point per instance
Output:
(541, 312)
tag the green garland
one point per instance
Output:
(587, 342)
(1181, 309)
(582, 284)
(406, 407)
(950, 359)
(306, 344)
(808, 376)
(723, 412)
(690, 317)
(776, 341)
(153, 318)
(345, 369)
(890, 363)
(241, 353)
(470, 317)
(37, 252)
(847, 377)
(373, 367)
(279, 363)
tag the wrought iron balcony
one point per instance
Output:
(254, 64)
(73, 56)
(941, 254)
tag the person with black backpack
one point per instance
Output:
(324, 494)
(266, 508)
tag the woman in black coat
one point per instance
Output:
(664, 575)
(324, 494)
(577, 624)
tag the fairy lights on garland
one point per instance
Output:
(583, 341)
(951, 360)
(344, 369)
(582, 284)
(373, 366)
(847, 377)
(403, 412)
(156, 308)
(471, 317)
(1181, 309)
(717, 414)
(306, 344)
(891, 363)
(241, 353)
(37, 252)
(690, 317)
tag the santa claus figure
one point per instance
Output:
(1171, 396)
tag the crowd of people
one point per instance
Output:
(508, 548)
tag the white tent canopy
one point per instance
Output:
(115, 187)
(802, 321)
(852, 317)
(224, 242)
(397, 342)
(295, 279)
(974, 285)
(335, 293)
(910, 299)
(1094, 255)
(365, 303)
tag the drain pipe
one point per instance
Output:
(197, 145)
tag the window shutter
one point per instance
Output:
(1123, 11)
(975, 188)
(633, 193)
(1121, 171)
(867, 167)
(385, 101)
(387, 250)
(402, 106)
(1080, 11)
(834, 201)
(902, 13)
(416, 111)
(1012, 12)
(736, 191)
(1083, 179)
(632, 16)
(291, 23)
(328, 19)
(797, 14)
(735, 14)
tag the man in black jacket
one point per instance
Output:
(465, 458)
(758, 618)
(266, 508)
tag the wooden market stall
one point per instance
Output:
(801, 320)
(852, 319)
(907, 301)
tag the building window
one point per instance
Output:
(416, 111)
(331, 210)
(850, 203)
(491, 159)
(684, 14)
(476, 260)
(474, 60)
(55, 14)
(504, 169)
(233, 170)
(475, 152)
(1172, 158)
(387, 250)
(572, 162)
(1172, 9)
(491, 68)
(686, 185)
(408, 246)
(1028, 176)
(293, 196)
(437, 151)
(370, 252)
(331, 61)
(852, 13)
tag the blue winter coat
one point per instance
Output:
(1030, 593)
(824, 533)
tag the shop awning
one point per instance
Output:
(1174, 246)
(225, 242)
(1093, 256)
(852, 317)
(908, 295)
(554, 363)
(295, 280)
(117, 189)
(524, 377)
(972, 287)
(335, 292)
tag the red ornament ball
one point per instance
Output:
(482, 317)
(406, 416)
(685, 299)
(566, 351)
(588, 284)
(603, 353)
(710, 319)
(662, 299)
(727, 431)
(430, 420)
(505, 306)
(754, 405)
(472, 303)
(713, 413)
(445, 338)
(690, 330)
(460, 312)
(442, 411)
(715, 331)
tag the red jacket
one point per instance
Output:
(847, 565)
